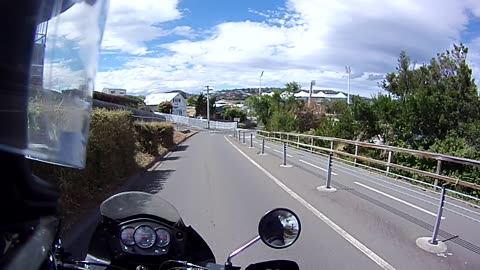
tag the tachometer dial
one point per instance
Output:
(163, 237)
(144, 236)
(126, 235)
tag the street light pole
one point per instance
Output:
(260, 88)
(208, 107)
(312, 83)
(348, 71)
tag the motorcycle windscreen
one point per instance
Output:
(133, 203)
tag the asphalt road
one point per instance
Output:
(222, 188)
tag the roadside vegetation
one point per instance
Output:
(432, 107)
(118, 147)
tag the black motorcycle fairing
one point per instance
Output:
(197, 250)
(136, 208)
(276, 264)
(126, 205)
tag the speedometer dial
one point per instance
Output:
(126, 235)
(145, 236)
(163, 237)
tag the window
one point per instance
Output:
(112, 91)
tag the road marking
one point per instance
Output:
(313, 165)
(255, 142)
(397, 199)
(281, 152)
(357, 244)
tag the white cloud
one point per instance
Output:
(132, 23)
(307, 40)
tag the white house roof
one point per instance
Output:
(339, 95)
(267, 94)
(155, 99)
(323, 95)
(302, 94)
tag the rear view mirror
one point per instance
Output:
(279, 228)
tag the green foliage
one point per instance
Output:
(129, 101)
(111, 152)
(191, 101)
(201, 106)
(234, 112)
(165, 107)
(150, 135)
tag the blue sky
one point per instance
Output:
(154, 46)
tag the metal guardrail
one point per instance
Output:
(440, 158)
(201, 123)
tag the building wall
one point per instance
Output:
(179, 105)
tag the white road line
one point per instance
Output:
(357, 244)
(255, 142)
(397, 199)
(281, 152)
(313, 165)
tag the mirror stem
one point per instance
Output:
(240, 249)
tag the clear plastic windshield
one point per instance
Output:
(133, 203)
(64, 64)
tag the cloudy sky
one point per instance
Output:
(153, 46)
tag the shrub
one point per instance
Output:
(110, 157)
(121, 100)
(151, 135)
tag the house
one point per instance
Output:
(179, 103)
(115, 91)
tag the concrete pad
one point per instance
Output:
(425, 244)
(325, 189)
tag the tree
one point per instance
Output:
(165, 107)
(201, 106)
(233, 112)
(213, 107)
(191, 101)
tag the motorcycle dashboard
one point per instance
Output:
(147, 237)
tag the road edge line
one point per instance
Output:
(357, 244)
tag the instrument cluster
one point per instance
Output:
(145, 238)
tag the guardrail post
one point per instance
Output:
(244, 137)
(263, 146)
(284, 164)
(298, 141)
(390, 153)
(439, 217)
(431, 244)
(251, 140)
(288, 142)
(331, 145)
(311, 142)
(439, 172)
(329, 170)
(356, 154)
(327, 187)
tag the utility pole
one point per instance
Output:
(208, 107)
(348, 71)
(260, 88)
(312, 83)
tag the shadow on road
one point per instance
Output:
(170, 158)
(151, 181)
(179, 148)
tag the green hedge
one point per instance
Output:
(151, 134)
(121, 100)
(114, 142)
